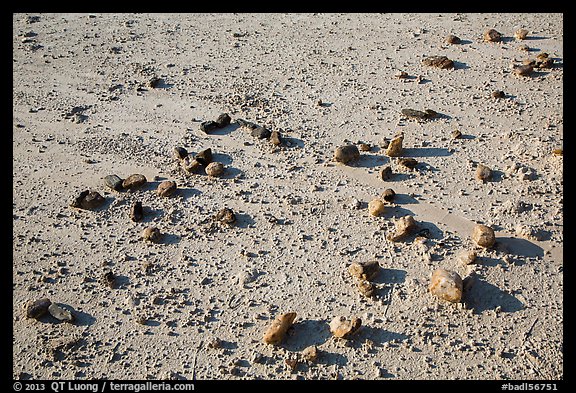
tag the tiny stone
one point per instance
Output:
(438, 61)
(343, 328)
(456, 134)
(364, 270)
(226, 216)
(364, 147)
(166, 188)
(376, 207)
(136, 211)
(214, 169)
(483, 173)
(498, 94)
(523, 70)
(276, 138)
(467, 257)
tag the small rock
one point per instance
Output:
(215, 343)
(92, 200)
(226, 216)
(452, 39)
(154, 82)
(403, 227)
(190, 165)
(151, 234)
(136, 211)
(364, 147)
(134, 181)
(60, 313)
(385, 173)
(275, 333)
(524, 48)
(215, 169)
(343, 328)
(180, 153)
(114, 182)
(447, 285)
(366, 288)
(109, 279)
(204, 157)
(261, 133)
(409, 162)
(364, 270)
(523, 70)
(36, 308)
(456, 134)
(415, 114)
(401, 74)
(209, 126)
(521, 34)
(558, 152)
(467, 257)
(166, 188)
(498, 94)
(376, 207)
(395, 147)
(310, 353)
(483, 173)
(346, 154)
(223, 120)
(438, 61)
(543, 61)
(483, 236)
(276, 138)
(388, 195)
(491, 35)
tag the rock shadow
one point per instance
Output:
(244, 221)
(222, 158)
(186, 193)
(520, 246)
(378, 336)
(426, 152)
(170, 238)
(458, 65)
(404, 199)
(224, 130)
(390, 276)
(305, 333)
(291, 142)
(483, 296)
(369, 161)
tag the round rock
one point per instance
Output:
(151, 234)
(134, 181)
(36, 308)
(215, 169)
(166, 188)
(376, 207)
(446, 285)
(483, 236)
(60, 313)
(346, 154)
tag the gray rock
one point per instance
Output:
(60, 313)
(261, 133)
(114, 182)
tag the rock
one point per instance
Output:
(226, 216)
(209, 126)
(276, 331)
(447, 285)
(452, 39)
(136, 211)
(36, 308)
(204, 157)
(92, 200)
(529, 232)
(467, 257)
(343, 328)
(388, 195)
(402, 228)
(409, 162)
(364, 270)
(558, 152)
(155, 82)
(310, 353)
(276, 138)
(438, 61)
(114, 182)
(420, 115)
(521, 34)
(456, 134)
(109, 279)
(523, 70)
(190, 165)
(401, 74)
(215, 169)
(261, 133)
(483, 173)
(346, 154)
(395, 147)
(134, 181)
(498, 94)
(483, 236)
(60, 313)
(366, 288)
(376, 207)
(223, 120)
(180, 153)
(385, 173)
(524, 48)
(491, 35)
(166, 188)
(364, 147)
(246, 124)
(543, 61)
(151, 234)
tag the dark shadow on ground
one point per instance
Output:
(483, 296)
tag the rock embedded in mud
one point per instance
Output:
(60, 313)
(366, 270)
(376, 207)
(214, 169)
(483, 173)
(114, 182)
(151, 234)
(388, 195)
(180, 153)
(226, 216)
(403, 227)
(342, 327)
(204, 157)
(442, 62)
(385, 173)
(467, 257)
(346, 154)
(166, 188)
(491, 35)
(483, 236)
(452, 39)
(447, 285)
(136, 211)
(276, 331)
(521, 34)
(134, 181)
(395, 147)
(223, 120)
(261, 133)
(92, 200)
(37, 308)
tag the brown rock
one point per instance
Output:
(343, 328)
(214, 169)
(388, 195)
(180, 153)
(395, 147)
(136, 211)
(438, 61)
(366, 288)
(521, 34)
(452, 39)
(467, 257)
(483, 236)
(498, 94)
(492, 35)
(446, 285)
(92, 200)
(276, 138)
(226, 216)
(36, 308)
(376, 207)
(364, 147)
(346, 154)
(483, 173)
(223, 120)
(523, 70)
(456, 134)
(310, 353)
(276, 331)
(364, 270)
(408, 162)
(190, 165)
(204, 157)
(151, 234)
(385, 173)
(134, 181)
(166, 188)
(402, 228)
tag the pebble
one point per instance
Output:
(114, 182)
(344, 328)
(402, 228)
(456, 134)
(60, 313)
(395, 147)
(226, 216)
(209, 126)
(190, 165)
(421, 115)
(521, 34)
(166, 188)
(261, 133)
(447, 285)
(483, 173)
(310, 353)
(109, 279)
(214, 169)
(364, 147)
(483, 236)
(223, 120)
(385, 173)
(467, 257)
(401, 74)
(276, 331)
(151, 234)
(409, 162)
(492, 35)
(136, 211)
(180, 153)
(498, 94)
(376, 207)
(88, 200)
(346, 154)
(276, 138)
(524, 47)
(364, 270)
(36, 308)
(452, 39)
(438, 61)
(134, 181)
(366, 288)
(523, 70)
(388, 195)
